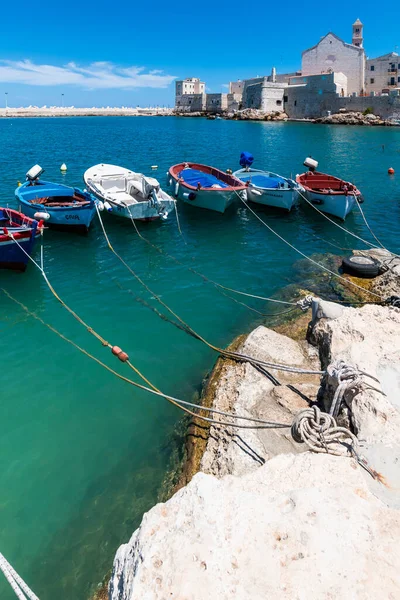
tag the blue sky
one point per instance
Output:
(127, 53)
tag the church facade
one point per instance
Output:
(333, 55)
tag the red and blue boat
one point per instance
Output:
(18, 234)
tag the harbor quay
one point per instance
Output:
(335, 76)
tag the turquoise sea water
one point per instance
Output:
(82, 454)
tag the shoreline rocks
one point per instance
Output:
(263, 510)
(351, 118)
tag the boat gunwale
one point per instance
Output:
(226, 178)
(352, 191)
(267, 189)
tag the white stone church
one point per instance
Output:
(333, 55)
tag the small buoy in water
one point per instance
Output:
(42, 216)
(63, 167)
(391, 171)
(108, 206)
(154, 167)
(100, 205)
(19, 184)
(116, 350)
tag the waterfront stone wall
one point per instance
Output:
(305, 103)
(234, 102)
(216, 103)
(190, 102)
(264, 95)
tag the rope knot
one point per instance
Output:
(305, 303)
(348, 377)
(393, 301)
(321, 434)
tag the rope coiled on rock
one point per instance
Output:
(321, 433)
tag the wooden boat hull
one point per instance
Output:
(15, 256)
(216, 199)
(283, 197)
(73, 217)
(336, 205)
(330, 195)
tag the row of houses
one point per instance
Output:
(330, 70)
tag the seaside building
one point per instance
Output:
(262, 94)
(332, 54)
(191, 85)
(190, 95)
(383, 73)
(331, 70)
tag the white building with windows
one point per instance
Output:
(191, 85)
(383, 73)
(190, 95)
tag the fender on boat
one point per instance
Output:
(42, 216)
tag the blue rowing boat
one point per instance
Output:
(60, 206)
(18, 234)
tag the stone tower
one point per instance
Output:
(357, 39)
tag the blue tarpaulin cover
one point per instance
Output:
(246, 159)
(261, 181)
(206, 180)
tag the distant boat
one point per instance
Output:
(128, 194)
(265, 187)
(15, 253)
(330, 194)
(203, 186)
(60, 206)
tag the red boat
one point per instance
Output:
(204, 186)
(331, 194)
(18, 234)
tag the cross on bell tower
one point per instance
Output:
(357, 39)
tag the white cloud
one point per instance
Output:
(97, 75)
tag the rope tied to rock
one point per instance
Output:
(348, 378)
(393, 301)
(322, 434)
(305, 303)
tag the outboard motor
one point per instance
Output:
(311, 164)
(34, 173)
(246, 160)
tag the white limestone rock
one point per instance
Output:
(299, 528)
(369, 338)
(244, 390)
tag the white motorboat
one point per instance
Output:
(128, 194)
(265, 187)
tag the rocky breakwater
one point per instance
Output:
(351, 118)
(254, 114)
(265, 517)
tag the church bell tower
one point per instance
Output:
(357, 39)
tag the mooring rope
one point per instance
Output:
(334, 222)
(205, 277)
(264, 424)
(228, 353)
(21, 589)
(347, 281)
(348, 377)
(371, 232)
(320, 432)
